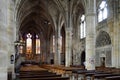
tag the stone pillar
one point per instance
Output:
(68, 56)
(116, 34)
(33, 46)
(3, 40)
(44, 51)
(115, 54)
(48, 51)
(57, 48)
(68, 36)
(55, 54)
(119, 43)
(11, 30)
(90, 34)
(119, 33)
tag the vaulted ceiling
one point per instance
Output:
(33, 17)
(39, 16)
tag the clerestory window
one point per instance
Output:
(83, 27)
(102, 11)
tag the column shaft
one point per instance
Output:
(57, 48)
(90, 35)
(68, 56)
(4, 40)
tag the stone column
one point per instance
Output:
(119, 43)
(115, 53)
(11, 30)
(57, 48)
(119, 33)
(44, 53)
(90, 34)
(55, 54)
(3, 40)
(33, 46)
(48, 51)
(68, 36)
(116, 34)
(68, 56)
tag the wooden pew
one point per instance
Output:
(101, 71)
(102, 76)
(112, 78)
(64, 71)
(61, 69)
(39, 74)
(87, 74)
(81, 73)
(35, 72)
(48, 78)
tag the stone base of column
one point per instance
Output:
(90, 66)
(90, 63)
(3, 73)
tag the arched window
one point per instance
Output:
(83, 27)
(37, 45)
(102, 11)
(29, 43)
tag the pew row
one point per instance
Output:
(29, 73)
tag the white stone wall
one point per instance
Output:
(3, 40)
(11, 34)
(7, 37)
(78, 47)
(112, 27)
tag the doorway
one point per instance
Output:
(83, 58)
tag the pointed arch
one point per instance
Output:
(103, 39)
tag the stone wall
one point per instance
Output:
(7, 37)
(77, 49)
(111, 26)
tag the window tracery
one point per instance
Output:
(102, 11)
(83, 27)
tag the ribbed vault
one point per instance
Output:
(46, 17)
(34, 15)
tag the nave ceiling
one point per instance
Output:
(43, 17)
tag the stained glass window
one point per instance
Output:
(37, 45)
(29, 43)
